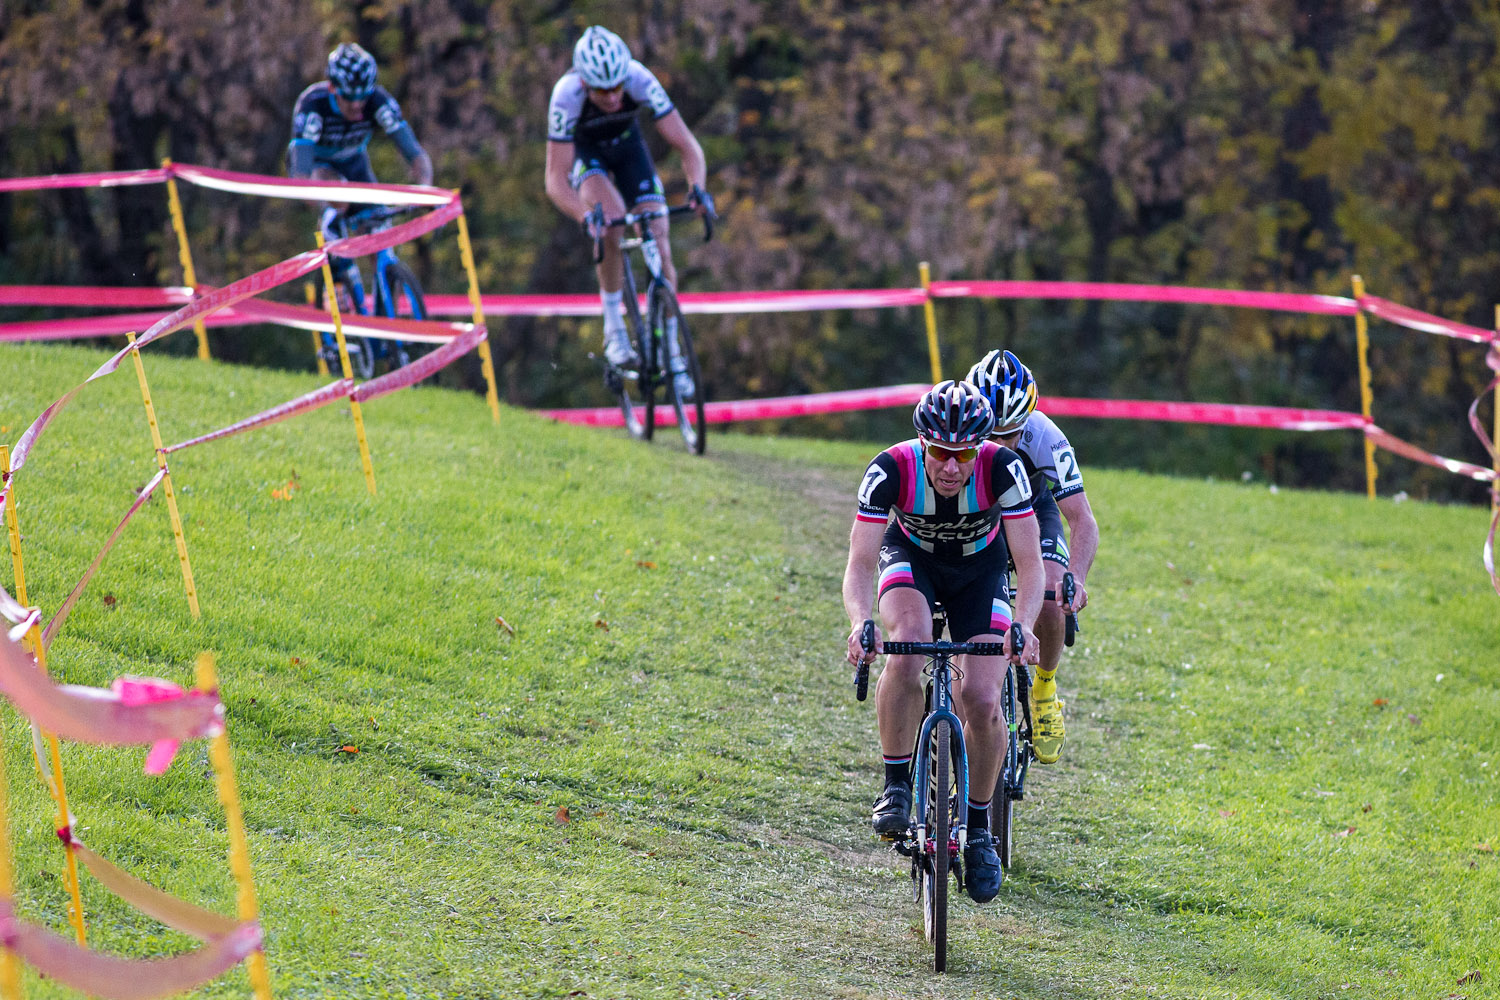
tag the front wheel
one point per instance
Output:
(935, 873)
(406, 300)
(361, 350)
(636, 390)
(683, 377)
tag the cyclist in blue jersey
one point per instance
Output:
(597, 156)
(962, 513)
(332, 126)
(1057, 485)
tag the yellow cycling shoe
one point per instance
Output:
(1047, 729)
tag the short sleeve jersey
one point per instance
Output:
(948, 527)
(1049, 458)
(317, 120)
(572, 117)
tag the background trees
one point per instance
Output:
(1273, 145)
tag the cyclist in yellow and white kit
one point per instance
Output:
(1057, 487)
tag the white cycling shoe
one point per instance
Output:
(618, 349)
(683, 382)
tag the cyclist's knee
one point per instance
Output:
(980, 702)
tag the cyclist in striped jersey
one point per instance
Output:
(962, 511)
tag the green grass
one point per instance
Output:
(1266, 792)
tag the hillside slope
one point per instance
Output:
(653, 781)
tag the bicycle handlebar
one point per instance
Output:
(945, 648)
(601, 223)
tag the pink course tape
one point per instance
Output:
(112, 178)
(321, 396)
(355, 325)
(85, 295)
(311, 190)
(113, 978)
(1415, 319)
(67, 605)
(93, 715)
(1332, 305)
(411, 374)
(1283, 418)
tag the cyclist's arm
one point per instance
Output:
(859, 580)
(681, 138)
(417, 160)
(559, 163)
(1083, 540)
(299, 158)
(1023, 538)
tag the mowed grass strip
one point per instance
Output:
(560, 714)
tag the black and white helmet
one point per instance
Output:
(602, 58)
(351, 70)
(1008, 386)
(954, 413)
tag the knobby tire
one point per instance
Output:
(1003, 806)
(939, 805)
(690, 418)
(638, 395)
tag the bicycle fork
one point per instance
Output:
(961, 773)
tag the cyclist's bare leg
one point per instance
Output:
(978, 696)
(898, 694)
(600, 190)
(1049, 624)
(662, 230)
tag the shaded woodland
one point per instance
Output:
(1262, 144)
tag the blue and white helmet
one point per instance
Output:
(351, 70)
(602, 58)
(1008, 386)
(954, 413)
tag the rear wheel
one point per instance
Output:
(935, 874)
(637, 392)
(664, 311)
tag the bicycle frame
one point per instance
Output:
(940, 694)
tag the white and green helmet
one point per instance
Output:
(601, 58)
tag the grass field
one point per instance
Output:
(1280, 778)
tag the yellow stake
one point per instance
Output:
(54, 750)
(161, 463)
(932, 338)
(1362, 340)
(239, 849)
(10, 968)
(486, 361)
(184, 254)
(338, 332)
(317, 337)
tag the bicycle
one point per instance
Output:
(637, 390)
(395, 285)
(936, 841)
(1015, 706)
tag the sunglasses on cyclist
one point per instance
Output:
(941, 453)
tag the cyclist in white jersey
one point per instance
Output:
(596, 155)
(1057, 485)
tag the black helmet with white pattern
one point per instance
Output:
(351, 70)
(954, 413)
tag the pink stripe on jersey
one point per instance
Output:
(999, 617)
(860, 515)
(982, 472)
(911, 474)
(1016, 514)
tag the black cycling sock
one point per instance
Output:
(979, 814)
(898, 771)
